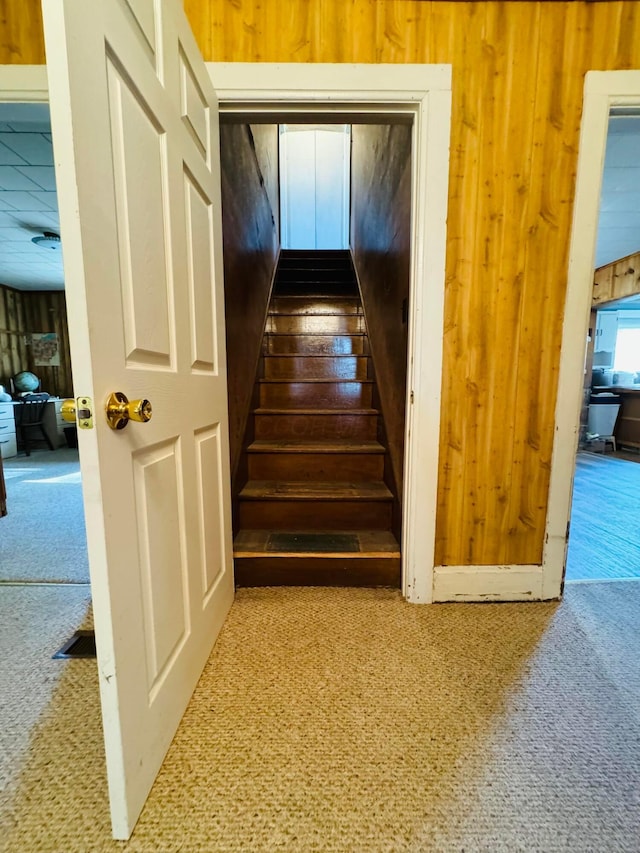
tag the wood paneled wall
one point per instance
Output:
(617, 280)
(266, 141)
(381, 246)
(23, 313)
(250, 255)
(518, 76)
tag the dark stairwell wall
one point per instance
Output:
(381, 243)
(249, 164)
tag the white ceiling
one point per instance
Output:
(28, 201)
(619, 226)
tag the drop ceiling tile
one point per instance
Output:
(9, 157)
(54, 219)
(44, 176)
(11, 247)
(27, 201)
(624, 124)
(41, 127)
(29, 253)
(621, 180)
(32, 267)
(17, 234)
(615, 243)
(34, 148)
(12, 179)
(621, 219)
(8, 217)
(33, 221)
(620, 201)
(50, 199)
(623, 150)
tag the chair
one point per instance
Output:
(29, 415)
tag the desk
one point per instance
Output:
(628, 425)
(53, 426)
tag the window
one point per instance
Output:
(627, 357)
(627, 352)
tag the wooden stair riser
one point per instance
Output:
(314, 515)
(354, 570)
(307, 305)
(330, 324)
(316, 426)
(333, 274)
(314, 344)
(315, 367)
(322, 395)
(359, 467)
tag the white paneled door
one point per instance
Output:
(135, 132)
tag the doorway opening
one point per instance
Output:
(315, 171)
(607, 477)
(318, 448)
(44, 573)
(607, 96)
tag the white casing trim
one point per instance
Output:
(24, 83)
(602, 90)
(424, 92)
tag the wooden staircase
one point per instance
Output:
(315, 509)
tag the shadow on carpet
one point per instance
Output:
(43, 538)
(348, 720)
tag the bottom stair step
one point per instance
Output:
(263, 504)
(313, 558)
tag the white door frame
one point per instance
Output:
(602, 90)
(423, 92)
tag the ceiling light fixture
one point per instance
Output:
(48, 240)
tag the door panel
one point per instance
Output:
(135, 131)
(200, 252)
(141, 219)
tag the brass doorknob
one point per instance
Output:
(120, 411)
(68, 411)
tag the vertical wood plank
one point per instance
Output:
(23, 313)
(21, 33)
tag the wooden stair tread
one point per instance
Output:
(307, 314)
(313, 491)
(279, 445)
(328, 380)
(316, 355)
(292, 412)
(373, 544)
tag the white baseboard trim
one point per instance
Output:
(487, 583)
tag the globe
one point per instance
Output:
(25, 381)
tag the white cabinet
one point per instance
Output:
(53, 423)
(604, 348)
(8, 445)
(53, 426)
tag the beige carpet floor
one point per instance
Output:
(348, 720)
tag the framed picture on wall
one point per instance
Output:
(45, 348)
